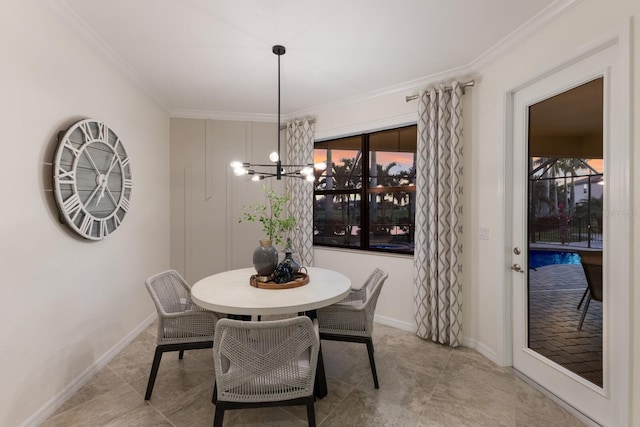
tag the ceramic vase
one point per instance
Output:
(265, 258)
(291, 260)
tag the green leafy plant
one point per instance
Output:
(271, 216)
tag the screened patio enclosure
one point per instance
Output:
(565, 201)
(566, 171)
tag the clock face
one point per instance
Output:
(92, 179)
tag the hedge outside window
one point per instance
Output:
(370, 208)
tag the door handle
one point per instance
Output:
(516, 267)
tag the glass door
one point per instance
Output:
(561, 142)
(565, 229)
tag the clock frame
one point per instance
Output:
(92, 179)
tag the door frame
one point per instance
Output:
(619, 195)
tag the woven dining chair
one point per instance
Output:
(268, 363)
(592, 265)
(182, 325)
(352, 318)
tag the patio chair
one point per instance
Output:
(592, 265)
(182, 325)
(262, 364)
(352, 318)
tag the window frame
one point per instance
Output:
(364, 192)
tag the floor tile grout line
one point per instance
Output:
(136, 391)
(338, 404)
(141, 396)
(95, 397)
(444, 367)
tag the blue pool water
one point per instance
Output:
(541, 258)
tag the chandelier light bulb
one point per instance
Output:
(274, 157)
(310, 178)
(320, 166)
(256, 178)
(240, 171)
(306, 171)
(235, 164)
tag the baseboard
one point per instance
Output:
(76, 384)
(480, 348)
(394, 323)
(466, 341)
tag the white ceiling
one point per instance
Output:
(213, 56)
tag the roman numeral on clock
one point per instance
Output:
(72, 205)
(87, 225)
(66, 177)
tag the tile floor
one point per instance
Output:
(554, 294)
(421, 384)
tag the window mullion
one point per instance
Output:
(364, 195)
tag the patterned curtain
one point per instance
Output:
(438, 236)
(300, 135)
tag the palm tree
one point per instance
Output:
(550, 170)
(569, 166)
(345, 174)
(380, 176)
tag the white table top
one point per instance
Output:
(230, 293)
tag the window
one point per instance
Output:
(372, 207)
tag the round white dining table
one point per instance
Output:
(230, 292)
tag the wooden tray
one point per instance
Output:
(300, 279)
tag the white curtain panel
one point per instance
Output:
(300, 138)
(438, 236)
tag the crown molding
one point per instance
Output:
(410, 87)
(222, 115)
(544, 18)
(80, 28)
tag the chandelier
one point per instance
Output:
(276, 169)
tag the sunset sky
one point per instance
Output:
(404, 160)
(597, 164)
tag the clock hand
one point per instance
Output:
(115, 203)
(114, 160)
(103, 185)
(106, 178)
(93, 164)
(92, 195)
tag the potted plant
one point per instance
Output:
(276, 224)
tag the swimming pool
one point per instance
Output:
(541, 258)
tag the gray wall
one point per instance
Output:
(207, 198)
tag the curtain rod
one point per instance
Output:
(470, 83)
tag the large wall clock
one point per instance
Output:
(92, 179)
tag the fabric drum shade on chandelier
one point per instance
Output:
(276, 168)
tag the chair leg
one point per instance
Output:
(586, 291)
(181, 354)
(320, 386)
(218, 417)
(214, 398)
(372, 362)
(584, 311)
(311, 412)
(154, 372)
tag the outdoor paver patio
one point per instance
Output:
(554, 294)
